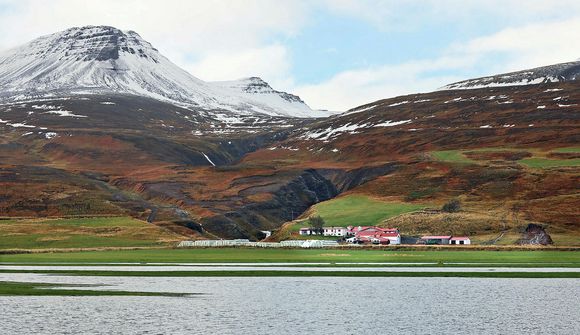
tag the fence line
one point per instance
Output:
(248, 243)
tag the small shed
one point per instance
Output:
(460, 240)
(436, 239)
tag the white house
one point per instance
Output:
(334, 231)
(326, 231)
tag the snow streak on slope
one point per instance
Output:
(97, 60)
(540, 75)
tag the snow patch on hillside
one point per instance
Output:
(391, 123)
(64, 113)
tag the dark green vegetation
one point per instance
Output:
(41, 289)
(82, 233)
(271, 273)
(238, 255)
(452, 206)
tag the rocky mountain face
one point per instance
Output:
(541, 75)
(106, 60)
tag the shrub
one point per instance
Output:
(452, 206)
(316, 222)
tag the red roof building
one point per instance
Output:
(375, 235)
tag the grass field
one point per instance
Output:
(276, 273)
(543, 163)
(567, 150)
(233, 255)
(38, 289)
(452, 156)
(537, 161)
(81, 233)
(359, 210)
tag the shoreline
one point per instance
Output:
(400, 247)
(270, 273)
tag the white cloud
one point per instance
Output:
(412, 14)
(245, 63)
(357, 87)
(511, 49)
(187, 32)
(530, 45)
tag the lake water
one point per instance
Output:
(315, 305)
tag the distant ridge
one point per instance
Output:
(540, 75)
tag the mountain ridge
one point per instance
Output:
(540, 75)
(103, 59)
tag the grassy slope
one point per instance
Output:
(81, 233)
(543, 163)
(298, 255)
(538, 161)
(452, 156)
(567, 150)
(360, 210)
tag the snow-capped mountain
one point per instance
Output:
(255, 88)
(101, 60)
(545, 74)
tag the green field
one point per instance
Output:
(38, 289)
(538, 161)
(452, 156)
(544, 163)
(567, 150)
(276, 273)
(81, 233)
(233, 255)
(359, 210)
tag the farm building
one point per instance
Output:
(460, 240)
(436, 239)
(326, 231)
(445, 240)
(374, 235)
(307, 231)
(334, 231)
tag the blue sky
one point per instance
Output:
(336, 54)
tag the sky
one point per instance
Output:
(334, 54)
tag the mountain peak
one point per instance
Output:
(101, 43)
(105, 60)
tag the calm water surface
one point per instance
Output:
(284, 305)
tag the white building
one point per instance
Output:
(460, 240)
(334, 231)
